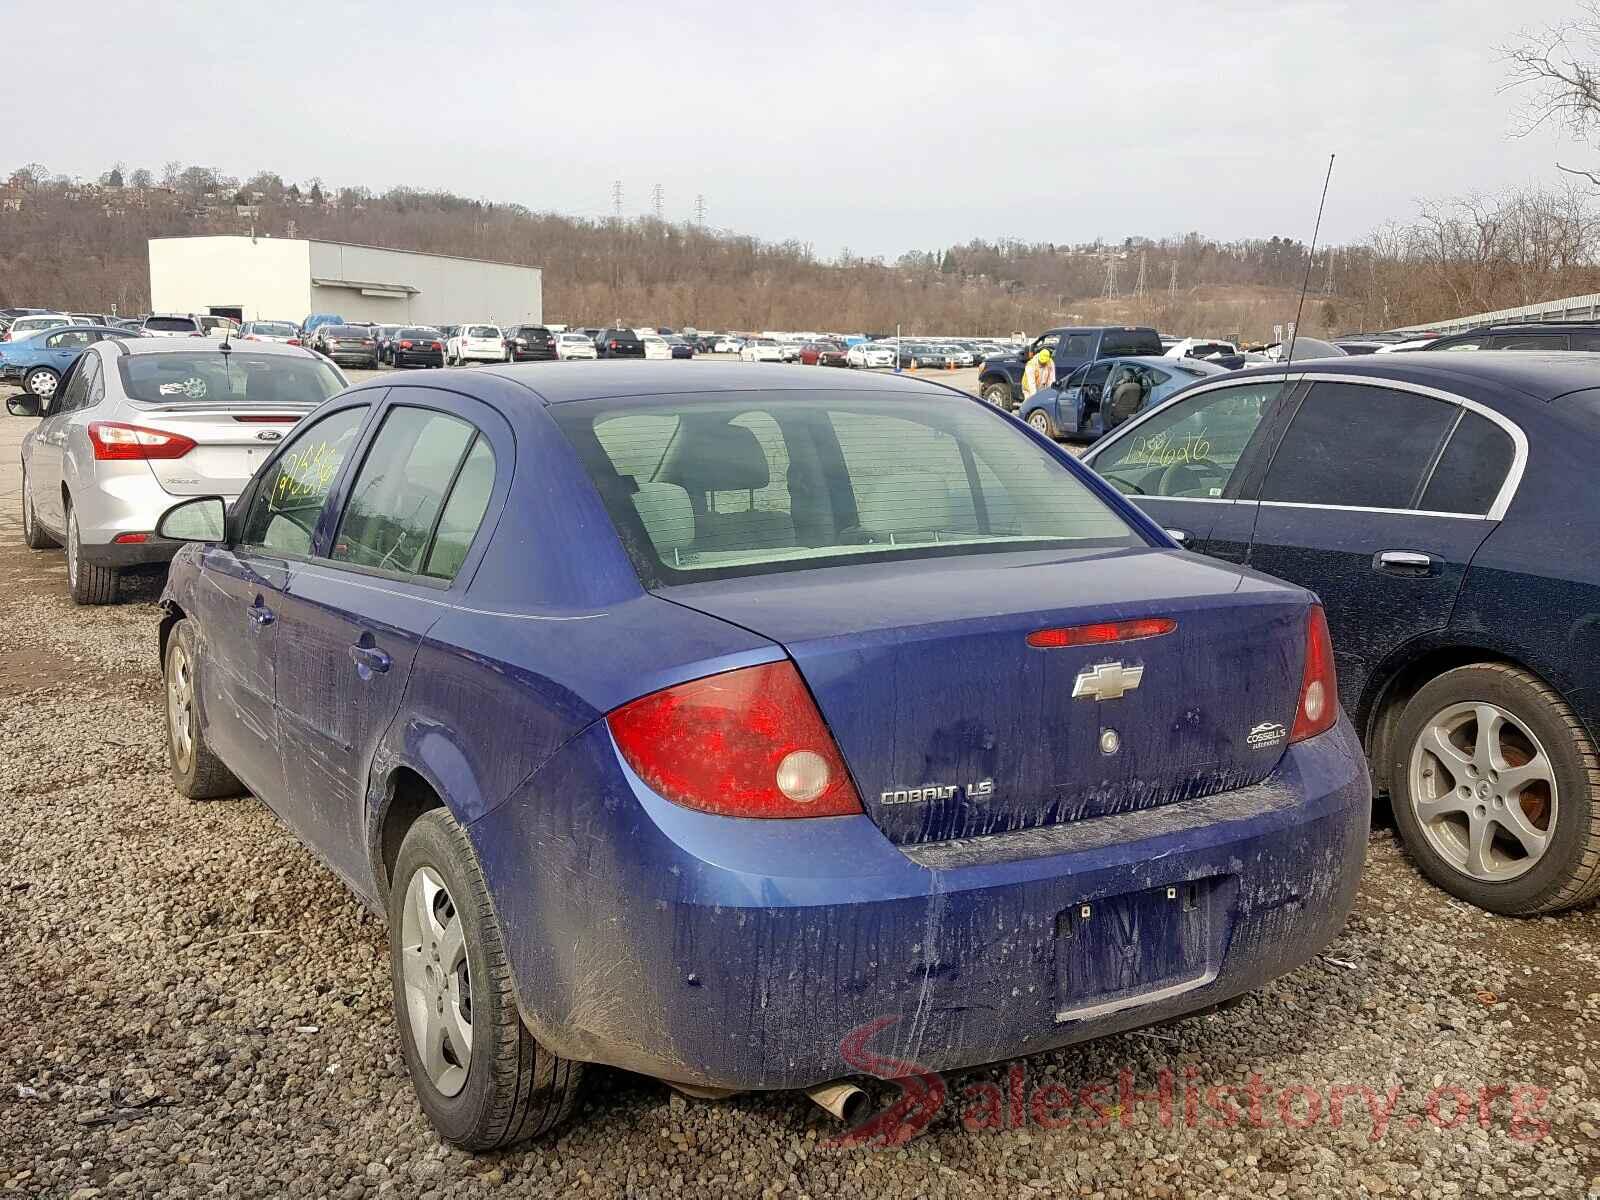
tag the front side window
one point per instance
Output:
(1354, 445)
(288, 499)
(1191, 447)
(73, 390)
(1079, 345)
(704, 488)
(400, 490)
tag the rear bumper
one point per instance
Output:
(525, 355)
(424, 358)
(741, 954)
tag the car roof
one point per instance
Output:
(1539, 376)
(609, 379)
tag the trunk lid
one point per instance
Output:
(954, 727)
(230, 443)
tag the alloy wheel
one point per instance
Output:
(1484, 791)
(437, 981)
(1039, 421)
(72, 550)
(180, 705)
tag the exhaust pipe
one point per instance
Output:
(845, 1101)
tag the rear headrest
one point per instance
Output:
(905, 502)
(719, 458)
(667, 515)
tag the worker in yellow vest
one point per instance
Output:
(1039, 374)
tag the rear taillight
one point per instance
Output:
(113, 440)
(1319, 688)
(611, 345)
(437, 346)
(746, 743)
(294, 341)
(405, 345)
(200, 334)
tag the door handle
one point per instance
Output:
(1403, 562)
(369, 659)
(1181, 536)
(260, 613)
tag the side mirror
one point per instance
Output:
(202, 519)
(24, 404)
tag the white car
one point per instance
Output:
(575, 345)
(270, 331)
(727, 345)
(1199, 348)
(655, 346)
(790, 350)
(870, 354)
(1413, 344)
(962, 356)
(35, 323)
(475, 343)
(761, 349)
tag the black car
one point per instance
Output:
(1441, 507)
(681, 347)
(1541, 335)
(352, 345)
(1000, 379)
(416, 346)
(619, 343)
(530, 343)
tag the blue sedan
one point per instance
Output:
(1441, 506)
(38, 362)
(1100, 395)
(711, 722)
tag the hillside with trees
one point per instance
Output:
(82, 244)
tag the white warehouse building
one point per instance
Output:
(254, 278)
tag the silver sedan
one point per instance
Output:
(135, 425)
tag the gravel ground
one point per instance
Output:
(193, 1006)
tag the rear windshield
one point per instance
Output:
(349, 331)
(417, 333)
(703, 488)
(171, 324)
(274, 328)
(209, 376)
(482, 331)
(1130, 343)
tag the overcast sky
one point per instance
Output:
(876, 127)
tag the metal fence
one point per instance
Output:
(1573, 308)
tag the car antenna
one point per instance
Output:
(227, 349)
(1294, 330)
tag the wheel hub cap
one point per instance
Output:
(180, 705)
(1484, 791)
(433, 957)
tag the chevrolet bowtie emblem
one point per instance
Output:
(1107, 681)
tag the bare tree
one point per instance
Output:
(1559, 67)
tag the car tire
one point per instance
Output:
(1539, 849)
(510, 1088)
(40, 383)
(1040, 420)
(33, 534)
(997, 394)
(88, 583)
(196, 770)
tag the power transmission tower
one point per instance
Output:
(699, 210)
(655, 200)
(1138, 288)
(1327, 284)
(1172, 282)
(616, 199)
(1111, 277)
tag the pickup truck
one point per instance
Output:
(1000, 381)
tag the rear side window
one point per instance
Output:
(1125, 343)
(708, 488)
(1529, 341)
(399, 494)
(1357, 446)
(463, 513)
(1472, 468)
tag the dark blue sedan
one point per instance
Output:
(1440, 505)
(707, 721)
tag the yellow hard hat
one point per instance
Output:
(1045, 355)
